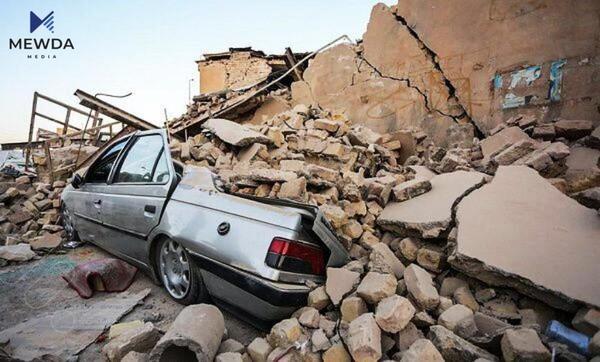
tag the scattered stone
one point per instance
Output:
(19, 252)
(411, 189)
(339, 283)
(309, 317)
(119, 328)
(422, 350)
(364, 338)
(229, 357)
(573, 129)
(140, 339)
(523, 345)
(285, 333)
(318, 298)
(259, 349)
(383, 260)
(407, 336)
(319, 341)
(375, 287)
(394, 313)
(337, 353)
(46, 241)
(231, 345)
(352, 308)
(454, 316)
(455, 348)
(293, 190)
(587, 320)
(420, 287)
(484, 295)
(409, 248)
(234, 133)
(431, 257)
(463, 295)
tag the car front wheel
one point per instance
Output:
(178, 273)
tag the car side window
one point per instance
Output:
(101, 169)
(161, 174)
(142, 163)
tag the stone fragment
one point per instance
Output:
(319, 341)
(134, 356)
(364, 339)
(363, 136)
(46, 241)
(335, 215)
(422, 350)
(352, 308)
(484, 295)
(411, 189)
(234, 133)
(407, 336)
(594, 347)
(259, 349)
(353, 229)
(340, 282)
(394, 313)
(197, 330)
(523, 345)
(587, 320)
(430, 214)
(19, 252)
(583, 169)
(231, 345)
(544, 132)
(309, 317)
(463, 295)
(376, 286)
(454, 315)
(285, 333)
(450, 284)
(420, 286)
(525, 206)
(140, 339)
(409, 248)
(119, 328)
(422, 319)
(384, 260)
(293, 190)
(514, 152)
(454, 348)
(337, 353)
(318, 298)
(573, 129)
(500, 141)
(229, 357)
(431, 257)
(589, 198)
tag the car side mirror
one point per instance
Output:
(77, 181)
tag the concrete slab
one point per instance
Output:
(501, 140)
(66, 332)
(234, 133)
(430, 214)
(520, 231)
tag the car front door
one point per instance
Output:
(86, 201)
(135, 197)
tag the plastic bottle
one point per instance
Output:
(577, 342)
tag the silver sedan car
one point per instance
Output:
(253, 256)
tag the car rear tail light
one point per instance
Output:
(296, 257)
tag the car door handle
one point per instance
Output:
(150, 209)
(98, 202)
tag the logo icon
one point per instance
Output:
(35, 21)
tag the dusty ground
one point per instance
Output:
(35, 288)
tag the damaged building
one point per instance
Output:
(455, 153)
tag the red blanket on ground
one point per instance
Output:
(111, 275)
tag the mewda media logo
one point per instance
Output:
(35, 21)
(41, 47)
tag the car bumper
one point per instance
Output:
(263, 299)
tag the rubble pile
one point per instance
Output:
(392, 200)
(30, 219)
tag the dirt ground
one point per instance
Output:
(35, 288)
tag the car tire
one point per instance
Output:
(68, 226)
(174, 266)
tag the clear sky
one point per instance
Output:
(148, 47)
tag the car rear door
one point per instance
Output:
(136, 195)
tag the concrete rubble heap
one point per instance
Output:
(30, 218)
(465, 190)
